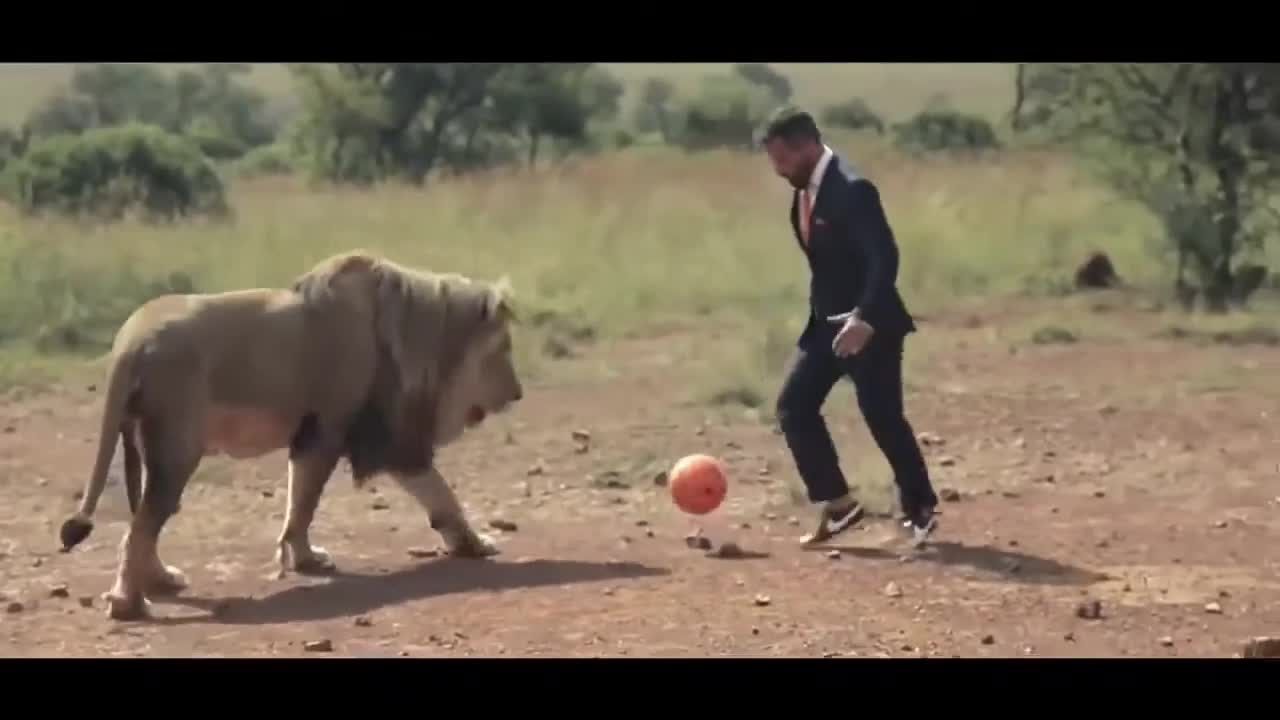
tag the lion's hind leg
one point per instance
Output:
(446, 514)
(172, 448)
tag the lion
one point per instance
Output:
(361, 358)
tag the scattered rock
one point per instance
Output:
(946, 461)
(1013, 543)
(1213, 608)
(1127, 588)
(1262, 647)
(422, 553)
(793, 520)
(648, 532)
(1166, 641)
(949, 495)
(892, 590)
(538, 468)
(1047, 479)
(697, 541)
(59, 591)
(503, 525)
(524, 489)
(363, 621)
(1096, 272)
(770, 516)
(1099, 493)
(988, 639)
(268, 493)
(318, 646)
(582, 441)
(660, 479)
(833, 555)
(1011, 494)
(37, 562)
(762, 600)
(1012, 566)
(642, 523)
(380, 504)
(755, 630)
(1224, 594)
(1091, 610)
(1103, 543)
(727, 551)
(14, 607)
(1220, 524)
(929, 439)
(1106, 409)
(42, 482)
(1053, 511)
(744, 526)
(1069, 637)
(9, 429)
(608, 592)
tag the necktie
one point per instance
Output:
(806, 211)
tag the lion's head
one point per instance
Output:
(445, 339)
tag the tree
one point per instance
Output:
(1198, 144)
(654, 109)
(766, 77)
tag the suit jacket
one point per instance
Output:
(853, 257)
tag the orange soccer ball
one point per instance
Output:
(698, 484)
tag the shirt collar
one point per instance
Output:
(820, 169)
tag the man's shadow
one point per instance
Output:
(349, 594)
(1009, 565)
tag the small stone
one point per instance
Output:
(1127, 588)
(755, 630)
(1011, 494)
(1166, 641)
(946, 461)
(1020, 443)
(988, 639)
(1012, 566)
(930, 439)
(1069, 637)
(744, 526)
(1091, 610)
(648, 532)
(268, 493)
(833, 555)
(1103, 543)
(318, 646)
(380, 504)
(1013, 543)
(660, 479)
(42, 482)
(642, 523)
(1224, 594)
(1099, 493)
(14, 607)
(421, 553)
(727, 551)
(59, 591)
(1047, 479)
(363, 621)
(582, 441)
(503, 525)
(404, 653)
(793, 520)
(608, 592)
(762, 600)
(1053, 511)
(1213, 608)
(37, 562)
(949, 495)
(1220, 524)
(770, 516)
(86, 601)
(9, 429)
(892, 590)
(697, 541)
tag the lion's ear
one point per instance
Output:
(499, 302)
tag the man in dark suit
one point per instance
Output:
(856, 329)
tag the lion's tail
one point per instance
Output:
(119, 388)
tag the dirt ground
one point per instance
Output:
(1140, 473)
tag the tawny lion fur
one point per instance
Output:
(362, 358)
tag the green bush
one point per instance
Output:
(274, 159)
(110, 172)
(854, 114)
(945, 130)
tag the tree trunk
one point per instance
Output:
(1227, 168)
(1019, 95)
(534, 137)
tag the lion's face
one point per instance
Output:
(484, 384)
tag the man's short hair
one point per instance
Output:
(791, 125)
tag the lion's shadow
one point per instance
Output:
(351, 594)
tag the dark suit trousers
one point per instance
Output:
(877, 376)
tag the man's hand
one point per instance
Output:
(853, 335)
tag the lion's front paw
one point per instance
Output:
(166, 580)
(127, 607)
(314, 561)
(473, 545)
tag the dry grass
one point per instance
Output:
(605, 246)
